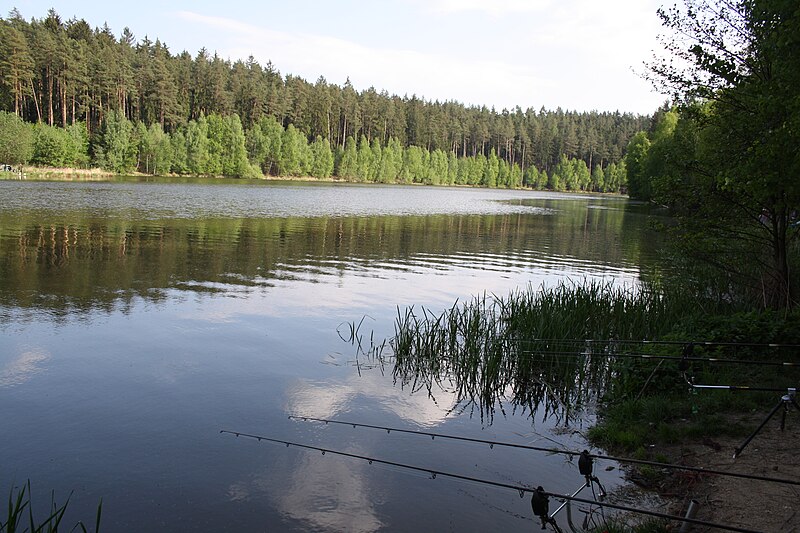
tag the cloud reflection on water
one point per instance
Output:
(23, 368)
(320, 399)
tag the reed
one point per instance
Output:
(522, 350)
(20, 515)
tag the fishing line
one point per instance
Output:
(521, 490)
(569, 453)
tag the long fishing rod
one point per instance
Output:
(519, 488)
(669, 358)
(741, 388)
(696, 343)
(570, 453)
(688, 358)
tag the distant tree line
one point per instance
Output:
(129, 105)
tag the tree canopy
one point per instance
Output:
(727, 163)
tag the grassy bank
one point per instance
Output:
(669, 411)
(67, 174)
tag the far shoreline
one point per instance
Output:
(34, 173)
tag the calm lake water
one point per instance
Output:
(138, 319)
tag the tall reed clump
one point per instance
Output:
(531, 348)
(20, 519)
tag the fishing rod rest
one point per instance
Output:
(785, 402)
(540, 503)
(586, 467)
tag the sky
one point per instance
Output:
(579, 55)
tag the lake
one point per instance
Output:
(139, 318)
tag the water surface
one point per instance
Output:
(137, 319)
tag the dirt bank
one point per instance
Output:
(750, 504)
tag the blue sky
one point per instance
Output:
(575, 54)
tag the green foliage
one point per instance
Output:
(197, 154)
(291, 161)
(452, 168)
(636, 165)
(727, 166)
(16, 140)
(117, 151)
(348, 164)
(582, 176)
(273, 140)
(180, 155)
(364, 160)
(413, 170)
(598, 179)
(50, 146)
(78, 144)
(616, 177)
(570, 175)
(391, 162)
(227, 154)
(491, 171)
(438, 168)
(155, 150)
(322, 165)
(649, 402)
(58, 147)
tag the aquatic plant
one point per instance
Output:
(532, 348)
(20, 517)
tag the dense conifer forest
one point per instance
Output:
(91, 98)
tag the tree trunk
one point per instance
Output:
(779, 293)
(49, 98)
(36, 103)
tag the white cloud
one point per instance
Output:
(495, 8)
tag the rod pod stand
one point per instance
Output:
(785, 401)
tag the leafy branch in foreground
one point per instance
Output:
(728, 167)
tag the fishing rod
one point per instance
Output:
(570, 453)
(519, 488)
(740, 388)
(665, 342)
(671, 358)
(689, 358)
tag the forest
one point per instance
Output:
(76, 96)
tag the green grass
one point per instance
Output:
(20, 515)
